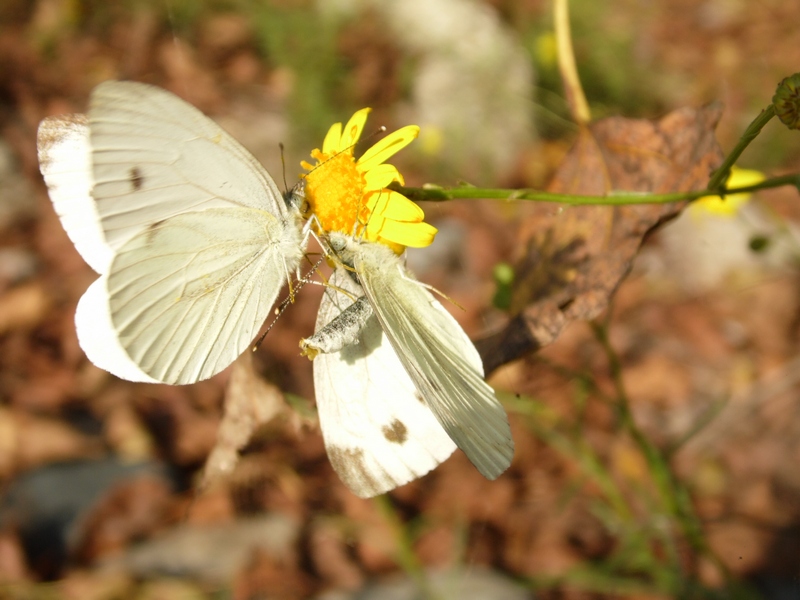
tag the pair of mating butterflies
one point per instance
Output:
(193, 241)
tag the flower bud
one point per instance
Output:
(787, 101)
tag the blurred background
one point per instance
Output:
(700, 498)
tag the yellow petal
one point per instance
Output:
(744, 177)
(415, 235)
(333, 139)
(387, 147)
(393, 205)
(379, 177)
(730, 204)
(352, 131)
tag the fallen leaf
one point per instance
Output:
(575, 258)
(249, 402)
(131, 510)
(282, 576)
(213, 553)
(30, 441)
(23, 307)
(330, 553)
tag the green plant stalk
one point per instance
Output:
(705, 419)
(674, 496)
(716, 185)
(576, 99)
(584, 455)
(576, 448)
(581, 453)
(592, 580)
(440, 194)
(720, 176)
(660, 469)
(404, 551)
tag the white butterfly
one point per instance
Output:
(390, 413)
(190, 235)
(378, 431)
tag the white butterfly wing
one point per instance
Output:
(378, 432)
(192, 235)
(98, 338)
(438, 356)
(66, 164)
(190, 293)
(155, 156)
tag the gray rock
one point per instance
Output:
(213, 553)
(47, 506)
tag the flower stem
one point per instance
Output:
(720, 176)
(674, 496)
(440, 194)
(576, 99)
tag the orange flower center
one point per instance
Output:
(334, 191)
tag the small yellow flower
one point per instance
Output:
(350, 195)
(545, 49)
(731, 203)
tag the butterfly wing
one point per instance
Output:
(188, 295)
(155, 156)
(438, 356)
(378, 432)
(197, 238)
(65, 160)
(99, 339)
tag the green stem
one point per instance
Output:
(439, 194)
(674, 496)
(720, 176)
(578, 450)
(404, 547)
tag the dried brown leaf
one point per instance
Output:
(332, 558)
(28, 441)
(249, 402)
(574, 259)
(131, 510)
(23, 307)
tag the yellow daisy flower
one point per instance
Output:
(350, 195)
(731, 203)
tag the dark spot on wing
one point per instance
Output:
(351, 469)
(419, 398)
(152, 230)
(395, 432)
(136, 178)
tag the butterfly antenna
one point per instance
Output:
(283, 166)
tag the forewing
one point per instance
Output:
(440, 359)
(65, 162)
(155, 156)
(189, 294)
(378, 432)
